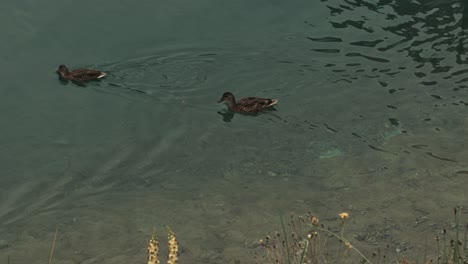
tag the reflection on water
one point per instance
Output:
(431, 33)
(371, 119)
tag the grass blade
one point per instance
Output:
(285, 239)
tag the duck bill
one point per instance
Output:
(220, 100)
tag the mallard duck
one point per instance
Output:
(79, 74)
(247, 105)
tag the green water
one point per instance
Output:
(371, 119)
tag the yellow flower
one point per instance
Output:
(344, 215)
(314, 220)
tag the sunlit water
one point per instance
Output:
(371, 120)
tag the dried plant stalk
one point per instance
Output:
(173, 247)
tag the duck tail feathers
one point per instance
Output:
(273, 102)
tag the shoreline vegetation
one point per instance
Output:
(304, 239)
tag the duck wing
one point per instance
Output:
(255, 104)
(86, 74)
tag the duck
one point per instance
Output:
(79, 74)
(248, 104)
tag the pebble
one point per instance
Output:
(272, 174)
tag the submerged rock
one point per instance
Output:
(330, 153)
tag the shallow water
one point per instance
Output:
(371, 120)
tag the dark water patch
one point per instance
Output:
(462, 80)
(342, 80)
(383, 84)
(420, 74)
(394, 121)
(311, 125)
(285, 61)
(339, 71)
(371, 76)
(352, 23)
(462, 172)
(334, 10)
(392, 107)
(416, 43)
(381, 150)
(428, 83)
(459, 72)
(419, 66)
(326, 39)
(356, 135)
(326, 50)
(440, 158)
(353, 64)
(392, 73)
(207, 55)
(330, 128)
(427, 119)
(441, 69)
(436, 96)
(330, 65)
(393, 45)
(391, 91)
(420, 146)
(355, 54)
(370, 44)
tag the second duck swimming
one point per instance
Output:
(247, 105)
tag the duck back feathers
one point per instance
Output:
(79, 74)
(248, 104)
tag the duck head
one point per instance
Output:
(228, 97)
(62, 70)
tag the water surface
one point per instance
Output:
(371, 120)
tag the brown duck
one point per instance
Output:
(247, 105)
(79, 74)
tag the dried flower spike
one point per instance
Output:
(173, 247)
(153, 249)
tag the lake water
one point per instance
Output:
(372, 120)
